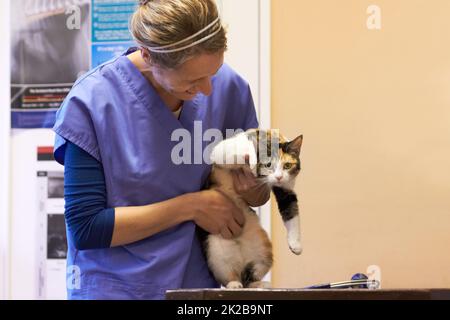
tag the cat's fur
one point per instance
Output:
(245, 260)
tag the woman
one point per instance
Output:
(131, 213)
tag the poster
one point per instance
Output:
(110, 29)
(51, 233)
(55, 42)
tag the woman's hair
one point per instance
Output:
(158, 23)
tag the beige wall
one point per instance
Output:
(374, 108)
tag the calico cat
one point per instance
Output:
(245, 260)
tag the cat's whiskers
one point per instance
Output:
(261, 180)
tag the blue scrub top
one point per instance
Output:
(115, 115)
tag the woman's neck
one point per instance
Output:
(171, 102)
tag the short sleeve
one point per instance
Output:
(233, 96)
(74, 123)
(250, 119)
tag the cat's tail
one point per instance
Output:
(288, 206)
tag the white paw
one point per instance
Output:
(232, 153)
(296, 247)
(234, 285)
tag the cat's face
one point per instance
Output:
(284, 166)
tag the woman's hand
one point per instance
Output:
(243, 180)
(217, 214)
(253, 191)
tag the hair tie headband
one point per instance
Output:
(166, 48)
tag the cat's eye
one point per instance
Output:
(268, 165)
(287, 166)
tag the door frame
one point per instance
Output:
(5, 139)
(265, 97)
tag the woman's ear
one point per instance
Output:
(146, 56)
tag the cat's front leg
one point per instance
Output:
(288, 207)
(294, 234)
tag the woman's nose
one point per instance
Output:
(205, 86)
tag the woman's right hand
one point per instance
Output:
(216, 213)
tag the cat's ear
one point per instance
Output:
(295, 145)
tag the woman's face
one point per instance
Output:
(192, 77)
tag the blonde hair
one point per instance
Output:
(158, 23)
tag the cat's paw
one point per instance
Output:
(234, 285)
(296, 247)
(260, 285)
(234, 153)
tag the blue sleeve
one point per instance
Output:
(90, 224)
(242, 114)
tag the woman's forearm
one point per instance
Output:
(137, 223)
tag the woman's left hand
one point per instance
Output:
(249, 187)
(244, 180)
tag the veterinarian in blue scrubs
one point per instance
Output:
(131, 213)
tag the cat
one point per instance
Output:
(243, 262)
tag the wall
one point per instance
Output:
(374, 108)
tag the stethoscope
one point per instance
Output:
(358, 281)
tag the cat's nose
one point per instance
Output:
(279, 178)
